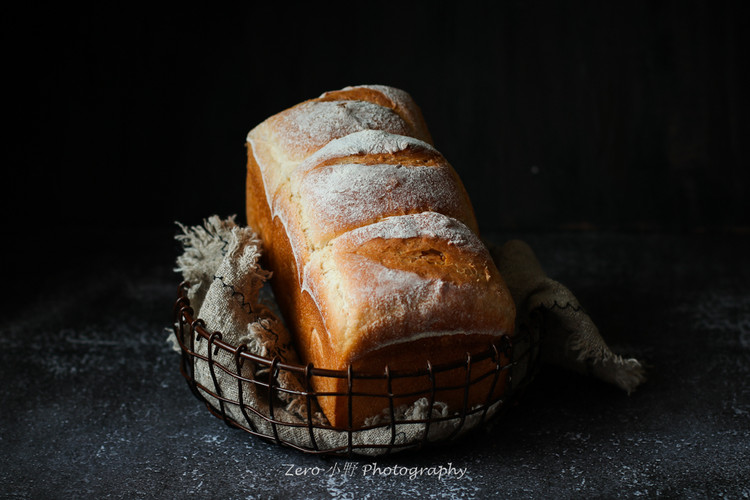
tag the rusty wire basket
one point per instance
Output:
(223, 387)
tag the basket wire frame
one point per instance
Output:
(503, 353)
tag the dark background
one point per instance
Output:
(557, 115)
(611, 136)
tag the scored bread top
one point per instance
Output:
(381, 228)
(368, 175)
(389, 97)
(404, 278)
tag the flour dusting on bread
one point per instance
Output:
(381, 232)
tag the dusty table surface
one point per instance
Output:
(94, 406)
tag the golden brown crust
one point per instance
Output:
(388, 97)
(394, 283)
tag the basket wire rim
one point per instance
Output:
(499, 349)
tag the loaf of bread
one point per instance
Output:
(374, 248)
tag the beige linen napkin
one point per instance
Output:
(570, 339)
(221, 261)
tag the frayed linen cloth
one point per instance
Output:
(570, 338)
(221, 262)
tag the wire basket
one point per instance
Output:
(502, 372)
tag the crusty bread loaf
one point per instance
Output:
(373, 244)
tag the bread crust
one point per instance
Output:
(398, 282)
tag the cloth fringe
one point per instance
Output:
(570, 338)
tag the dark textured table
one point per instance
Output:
(93, 405)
